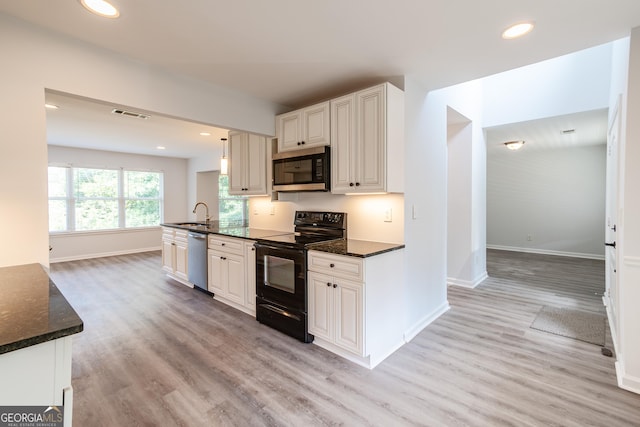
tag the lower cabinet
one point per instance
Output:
(335, 311)
(232, 276)
(175, 253)
(356, 305)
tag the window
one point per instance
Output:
(82, 199)
(231, 209)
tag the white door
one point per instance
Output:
(611, 266)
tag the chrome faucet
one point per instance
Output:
(206, 212)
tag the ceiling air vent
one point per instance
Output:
(129, 113)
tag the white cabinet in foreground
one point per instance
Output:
(355, 305)
(232, 277)
(175, 254)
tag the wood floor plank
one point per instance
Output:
(155, 352)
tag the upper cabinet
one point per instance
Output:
(367, 141)
(247, 164)
(304, 128)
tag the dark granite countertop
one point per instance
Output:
(355, 248)
(231, 231)
(32, 309)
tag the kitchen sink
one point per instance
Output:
(191, 224)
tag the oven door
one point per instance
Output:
(281, 276)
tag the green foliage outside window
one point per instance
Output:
(103, 199)
(231, 209)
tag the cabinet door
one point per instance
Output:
(289, 131)
(168, 254)
(233, 265)
(315, 125)
(250, 262)
(237, 148)
(349, 316)
(343, 144)
(216, 276)
(255, 165)
(182, 260)
(371, 134)
(321, 323)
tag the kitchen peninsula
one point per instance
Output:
(36, 328)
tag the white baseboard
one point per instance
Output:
(426, 321)
(626, 382)
(467, 283)
(547, 252)
(104, 254)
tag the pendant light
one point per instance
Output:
(223, 161)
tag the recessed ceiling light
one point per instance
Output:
(161, 147)
(51, 106)
(517, 30)
(100, 7)
(205, 133)
(568, 131)
(514, 145)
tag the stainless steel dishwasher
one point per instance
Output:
(197, 260)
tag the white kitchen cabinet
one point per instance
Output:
(304, 128)
(335, 311)
(175, 252)
(367, 141)
(231, 278)
(247, 164)
(250, 263)
(349, 302)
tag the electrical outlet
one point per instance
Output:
(387, 215)
(529, 237)
(414, 212)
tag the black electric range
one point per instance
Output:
(281, 271)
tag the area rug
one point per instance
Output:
(576, 324)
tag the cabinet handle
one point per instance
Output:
(328, 283)
(332, 265)
(298, 142)
(221, 244)
(223, 258)
(335, 286)
(357, 184)
(253, 249)
(351, 184)
(302, 143)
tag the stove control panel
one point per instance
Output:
(322, 219)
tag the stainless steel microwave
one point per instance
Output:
(302, 170)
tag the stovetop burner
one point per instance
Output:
(312, 227)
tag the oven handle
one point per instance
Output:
(280, 311)
(278, 248)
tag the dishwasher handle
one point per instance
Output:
(198, 236)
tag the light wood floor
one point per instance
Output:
(156, 353)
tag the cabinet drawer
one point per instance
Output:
(226, 244)
(181, 235)
(167, 233)
(336, 265)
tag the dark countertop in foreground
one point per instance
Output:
(32, 309)
(355, 248)
(231, 231)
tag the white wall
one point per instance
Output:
(555, 196)
(365, 214)
(628, 363)
(34, 60)
(466, 189)
(77, 245)
(564, 85)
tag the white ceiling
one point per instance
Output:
(590, 128)
(87, 123)
(297, 52)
